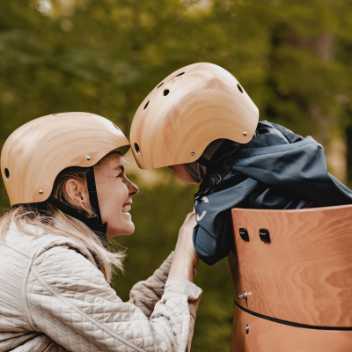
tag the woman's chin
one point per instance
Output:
(125, 229)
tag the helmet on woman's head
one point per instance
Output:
(35, 154)
(189, 109)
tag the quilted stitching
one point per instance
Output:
(73, 308)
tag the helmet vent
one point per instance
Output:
(239, 88)
(180, 74)
(7, 172)
(166, 92)
(146, 105)
(136, 147)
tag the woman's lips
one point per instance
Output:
(127, 207)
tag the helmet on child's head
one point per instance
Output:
(35, 153)
(192, 107)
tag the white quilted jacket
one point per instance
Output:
(54, 298)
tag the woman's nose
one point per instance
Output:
(133, 188)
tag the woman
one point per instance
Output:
(69, 194)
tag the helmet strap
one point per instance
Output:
(93, 194)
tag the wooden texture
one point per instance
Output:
(258, 335)
(305, 274)
(190, 108)
(39, 150)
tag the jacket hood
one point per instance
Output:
(278, 169)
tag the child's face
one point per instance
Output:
(182, 174)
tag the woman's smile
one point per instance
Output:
(127, 207)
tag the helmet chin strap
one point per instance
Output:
(94, 223)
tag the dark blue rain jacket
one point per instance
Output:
(278, 169)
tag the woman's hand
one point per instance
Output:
(185, 257)
(185, 237)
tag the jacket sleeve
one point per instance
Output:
(145, 294)
(70, 301)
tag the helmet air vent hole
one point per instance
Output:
(166, 92)
(239, 88)
(146, 105)
(180, 74)
(7, 172)
(136, 147)
(160, 84)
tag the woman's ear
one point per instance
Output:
(75, 190)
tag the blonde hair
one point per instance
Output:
(52, 220)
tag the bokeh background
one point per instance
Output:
(293, 58)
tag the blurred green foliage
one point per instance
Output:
(293, 57)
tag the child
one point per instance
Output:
(200, 121)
